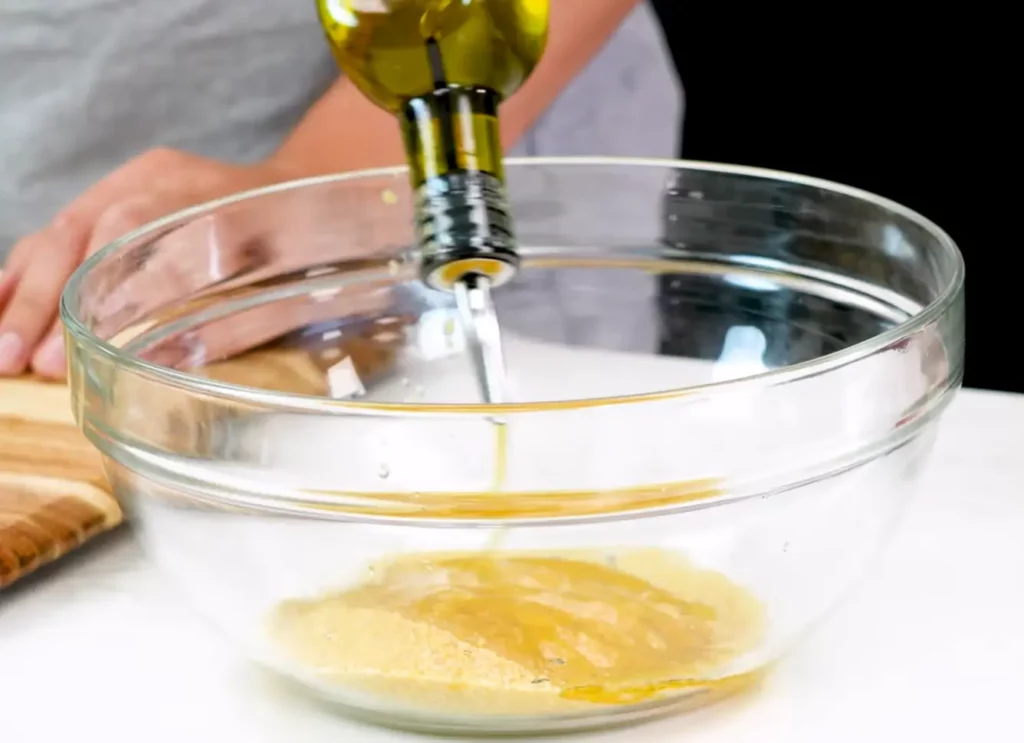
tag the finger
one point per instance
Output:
(12, 269)
(33, 305)
(236, 247)
(42, 263)
(247, 330)
(49, 360)
(178, 265)
(307, 228)
(231, 336)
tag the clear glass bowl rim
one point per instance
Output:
(297, 402)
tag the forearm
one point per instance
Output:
(343, 131)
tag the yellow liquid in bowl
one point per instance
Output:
(526, 633)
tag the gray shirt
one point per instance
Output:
(88, 84)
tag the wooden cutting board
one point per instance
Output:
(53, 492)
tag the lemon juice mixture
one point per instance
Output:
(525, 633)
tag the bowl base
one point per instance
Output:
(602, 717)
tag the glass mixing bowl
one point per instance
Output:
(723, 382)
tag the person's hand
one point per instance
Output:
(151, 186)
(344, 233)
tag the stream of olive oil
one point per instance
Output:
(499, 534)
(500, 456)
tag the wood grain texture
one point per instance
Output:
(53, 492)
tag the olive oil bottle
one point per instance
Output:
(443, 67)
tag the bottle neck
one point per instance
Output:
(452, 130)
(463, 218)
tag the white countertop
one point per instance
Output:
(930, 648)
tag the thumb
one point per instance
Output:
(48, 358)
(32, 300)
